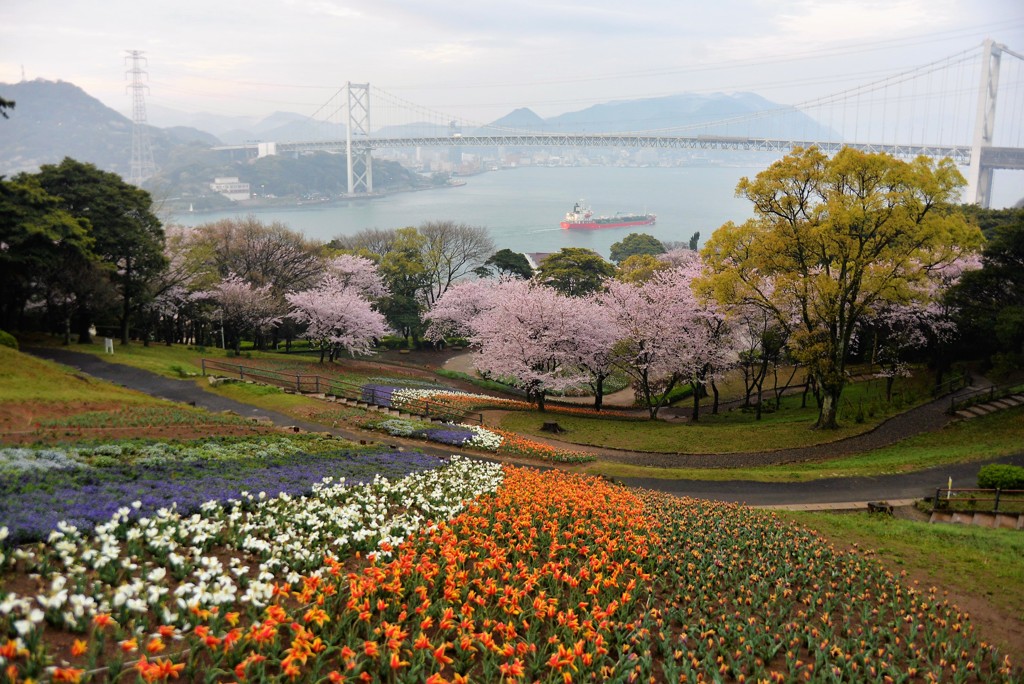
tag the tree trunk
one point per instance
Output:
(827, 417)
(84, 336)
(126, 308)
(760, 395)
(599, 393)
(695, 415)
(540, 401)
(714, 405)
(748, 384)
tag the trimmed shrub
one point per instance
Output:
(7, 340)
(1001, 476)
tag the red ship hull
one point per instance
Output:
(592, 225)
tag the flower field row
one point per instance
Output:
(487, 438)
(85, 487)
(144, 416)
(228, 558)
(558, 577)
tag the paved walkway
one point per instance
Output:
(836, 493)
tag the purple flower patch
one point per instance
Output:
(452, 436)
(378, 394)
(33, 502)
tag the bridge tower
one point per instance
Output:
(360, 170)
(979, 177)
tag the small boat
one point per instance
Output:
(582, 217)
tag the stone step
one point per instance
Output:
(1009, 521)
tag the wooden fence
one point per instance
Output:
(978, 500)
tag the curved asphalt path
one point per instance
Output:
(848, 492)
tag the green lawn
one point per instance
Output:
(27, 378)
(178, 361)
(175, 361)
(978, 439)
(727, 432)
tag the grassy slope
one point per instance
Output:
(25, 378)
(728, 432)
(982, 565)
(976, 564)
(979, 439)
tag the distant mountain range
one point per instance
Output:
(235, 130)
(685, 114)
(52, 120)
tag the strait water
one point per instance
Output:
(522, 207)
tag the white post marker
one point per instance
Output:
(108, 345)
(949, 488)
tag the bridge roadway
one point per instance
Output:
(992, 157)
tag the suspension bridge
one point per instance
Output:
(947, 108)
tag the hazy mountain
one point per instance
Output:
(217, 124)
(683, 114)
(413, 130)
(284, 127)
(53, 120)
(236, 130)
(519, 120)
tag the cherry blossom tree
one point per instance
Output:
(594, 350)
(244, 308)
(647, 317)
(708, 347)
(337, 317)
(358, 273)
(923, 320)
(529, 334)
(455, 311)
(667, 334)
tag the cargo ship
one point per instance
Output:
(582, 217)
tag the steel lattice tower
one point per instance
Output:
(142, 166)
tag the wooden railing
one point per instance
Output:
(981, 396)
(318, 384)
(977, 500)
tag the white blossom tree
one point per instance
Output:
(244, 308)
(337, 317)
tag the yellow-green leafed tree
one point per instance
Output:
(831, 240)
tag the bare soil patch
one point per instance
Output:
(20, 425)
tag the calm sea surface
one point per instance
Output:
(522, 207)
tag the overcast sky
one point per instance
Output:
(480, 59)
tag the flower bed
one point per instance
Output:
(85, 487)
(226, 558)
(139, 416)
(489, 439)
(557, 577)
(515, 444)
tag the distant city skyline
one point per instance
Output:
(479, 61)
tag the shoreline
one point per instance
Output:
(285, 204)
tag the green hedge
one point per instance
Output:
(1001, 477)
